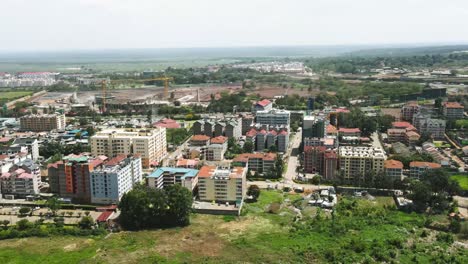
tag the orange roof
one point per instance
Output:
(186, 162)
(393, 164)
(453, 105)
(401, 124)
(331, 129)
(251, 133)
(55, 165)
(264, 102)
(219, 140)
(349, 130)
(319, 148)
(246, 156)
(412, 134)
(116, 160)
(420, 164)
(272, 132)
(5, 139)
(200, 138)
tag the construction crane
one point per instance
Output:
(104, 87)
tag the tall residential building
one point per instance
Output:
(21, 179)
(453, 110)
(216, 149)
(247, 122)
(418, 168)
(149, 144)
(222, 184)
(262, 139)
(313, 126)
(165, 176)
(114, 178)
(39, 123)
(319, 159)
(259, 162)
(70, 178)
(393, 169)
(227, 126)
(409, 110)
(358, 161)
(273, 117)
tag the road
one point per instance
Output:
(376, 140)
(292, 154)
(280, 185)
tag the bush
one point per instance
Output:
(24, 211)
(445, 238)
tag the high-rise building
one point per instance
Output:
(150, 144)
(453, 110)
(409, 110)
(222, 184)
(110, 181)
(39, 123)
(70, 178)
(313, 126)
(310, 103)
(21, 179)
(359, 161)
(319, 159)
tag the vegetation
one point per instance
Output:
(57, 150)
(462, 180)
(177, 136)
(7, 96)
(145, 207)
(253, 191)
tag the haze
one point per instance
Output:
(48, 25)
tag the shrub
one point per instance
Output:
(445, 237)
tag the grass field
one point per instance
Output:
(369, 232)
(9, 96)
(462, 180)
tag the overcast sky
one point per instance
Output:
(113, 24)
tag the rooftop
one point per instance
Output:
(423, 164)
(213, 171)
(393, 164)
(160, 171)
(200, 138)
(349, 130)
(264, 102)
(453, 105)
(246, 156)
(219, 140)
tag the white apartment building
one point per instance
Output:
(358, 161)
(273, 117)
(39, 123)
(21, 179)
(109, 182)
(222, 184)
(150, 144)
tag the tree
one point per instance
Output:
(179, 202)
(5, 223)
(253, 191)
(53, 204)
(248, 146)
(90, 131)
(70, 213)
(23, 224)
(86, 222)
(420, 194)
(83, 121)
(24, 211)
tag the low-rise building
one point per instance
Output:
(418, 168)
(222, 184)
(216, 149)
(349, 132)
(110, 181)
(259, 162)
(165, 176)
(22, 179)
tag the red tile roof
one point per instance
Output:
(453, 105)
(349, 130)
(104, 216)
(246, 156)
(251, 133)
(420, 164)
(393, 164)
(200, 138)
(318, 148)
(273, 132)
(5, 139)
(167, 123)
(264, 102)
(331, 129)
(219, 140)
(116, 160)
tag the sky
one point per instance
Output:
(48, 25)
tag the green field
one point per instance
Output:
(361, 232)
(462, 180)
(10, 95)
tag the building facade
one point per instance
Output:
(39, 123)
(259, 162)
(453, 110)
(393, 169)
(21, 179)
(222, 184)
(359, 161)
(165, 176)
(418, 168)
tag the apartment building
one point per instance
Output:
(247, 122)
(262, 139)
(418, 168)
(320, 160)
(222, 184)
(166, 176)
(349, 132)
(274, 117)
(217, 148)
(453, 110)
(409, 110)
(225, 126)
(149, 144)
(433, 127)
(393, 169)
(21, 179)
(358, 161)
(115, 177)
(314, 126)
(258, 162)
(31, 144)
(263, 105)
(45, 122)
(70, 177)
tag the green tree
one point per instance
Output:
(24, 211)
(179, 205)
(248, 146)
(86, 222)
(54, 205)
(23, 224)
(253, 191)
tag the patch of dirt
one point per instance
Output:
(70, 247)
(207, 244)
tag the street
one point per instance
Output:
(293, 152)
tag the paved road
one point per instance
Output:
(376, 141)
(292, 154)
(280, 185)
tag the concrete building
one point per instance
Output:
(217, 148)
(263, 105)
(114, 178)
(349, 132)
(273, 117)
(258, 162)
(453, 110)
(433, 127)
(165, 176)
(262, 139)
(418, 168)
(393, 169)
(200, 140)
(31, 144)
(313, 127)
(222, 184)
(70, 178)
(226, 126)
(21, 179)
(149, 144)
(358, 161)
(409, 110)
(247, 122)
(320, 160)
(39, 123)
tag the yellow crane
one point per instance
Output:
(165, 79)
